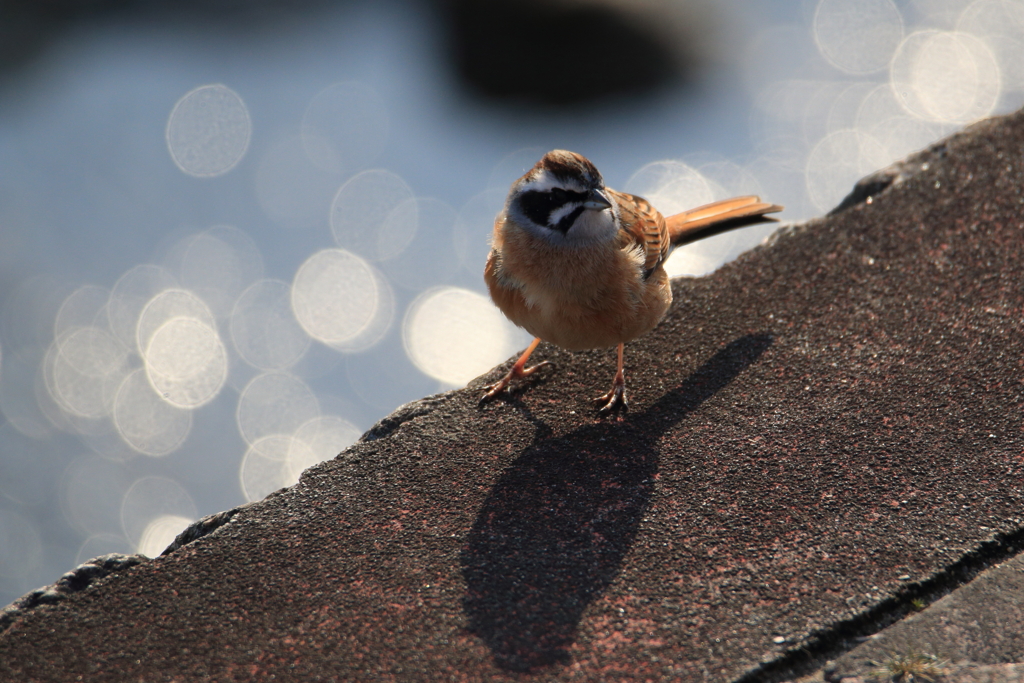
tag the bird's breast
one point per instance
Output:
(576, 298)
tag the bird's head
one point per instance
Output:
(563, 200)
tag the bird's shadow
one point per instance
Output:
(553, 532)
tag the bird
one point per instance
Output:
(580, 265)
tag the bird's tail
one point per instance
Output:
(717, 217)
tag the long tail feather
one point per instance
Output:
(718, 217)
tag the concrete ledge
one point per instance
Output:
(823, 433)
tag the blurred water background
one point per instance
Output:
(232, 239)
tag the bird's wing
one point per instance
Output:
(717, 217)
(643, 227)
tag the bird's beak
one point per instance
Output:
(597, 200)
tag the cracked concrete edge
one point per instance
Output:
(977, 625)
(815, 653)
(85, 575)
(90, 572)
(406, 413)
(205, 526)
(951, 673)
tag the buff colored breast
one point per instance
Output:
(594, 298)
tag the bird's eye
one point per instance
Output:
(558, 194)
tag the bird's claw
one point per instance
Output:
(503, 383)
(613, 400)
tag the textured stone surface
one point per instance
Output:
(982, 623)
(963, 673)
(78, 579)
(820, 431)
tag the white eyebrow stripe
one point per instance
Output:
(545, 182)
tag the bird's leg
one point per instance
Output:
(518, 370)
(616, 397)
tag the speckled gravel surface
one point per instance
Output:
(816, 428)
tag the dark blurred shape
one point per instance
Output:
(547, 52)
(27, 27)
(572, 52)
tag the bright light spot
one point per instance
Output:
(857, 36)
(274, 403)
(88, 366)
(186, 362)
(148, 423)
(878, 107)
(670, 186)
(938, 12)
(781, 171)
(263, 328)
(945, 76)
(130, 294)
(160, 533)
(208, 131)
(454, 335)
(318, 440)
(218, 265)
(694, 260)
(431, 257)
(838, 162)
(168, 304)
(360, 213)
(728, 179)
(340, 300)
(265, 466)
(147, 500)
(905, 134)
(843, 111)
(345, 127)
(882, 117)
(56, 402)
(1000, 23)
(85, 307)
(958, 78)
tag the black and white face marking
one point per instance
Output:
(555, 208)
(563, 199)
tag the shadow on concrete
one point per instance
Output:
(553, 532)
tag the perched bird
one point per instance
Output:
(580, 265)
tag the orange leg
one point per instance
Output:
(516, 372)
(616, 397)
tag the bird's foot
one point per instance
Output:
(516, 372)
(614, 400)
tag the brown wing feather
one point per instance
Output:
(717, 217)
(642, 226)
